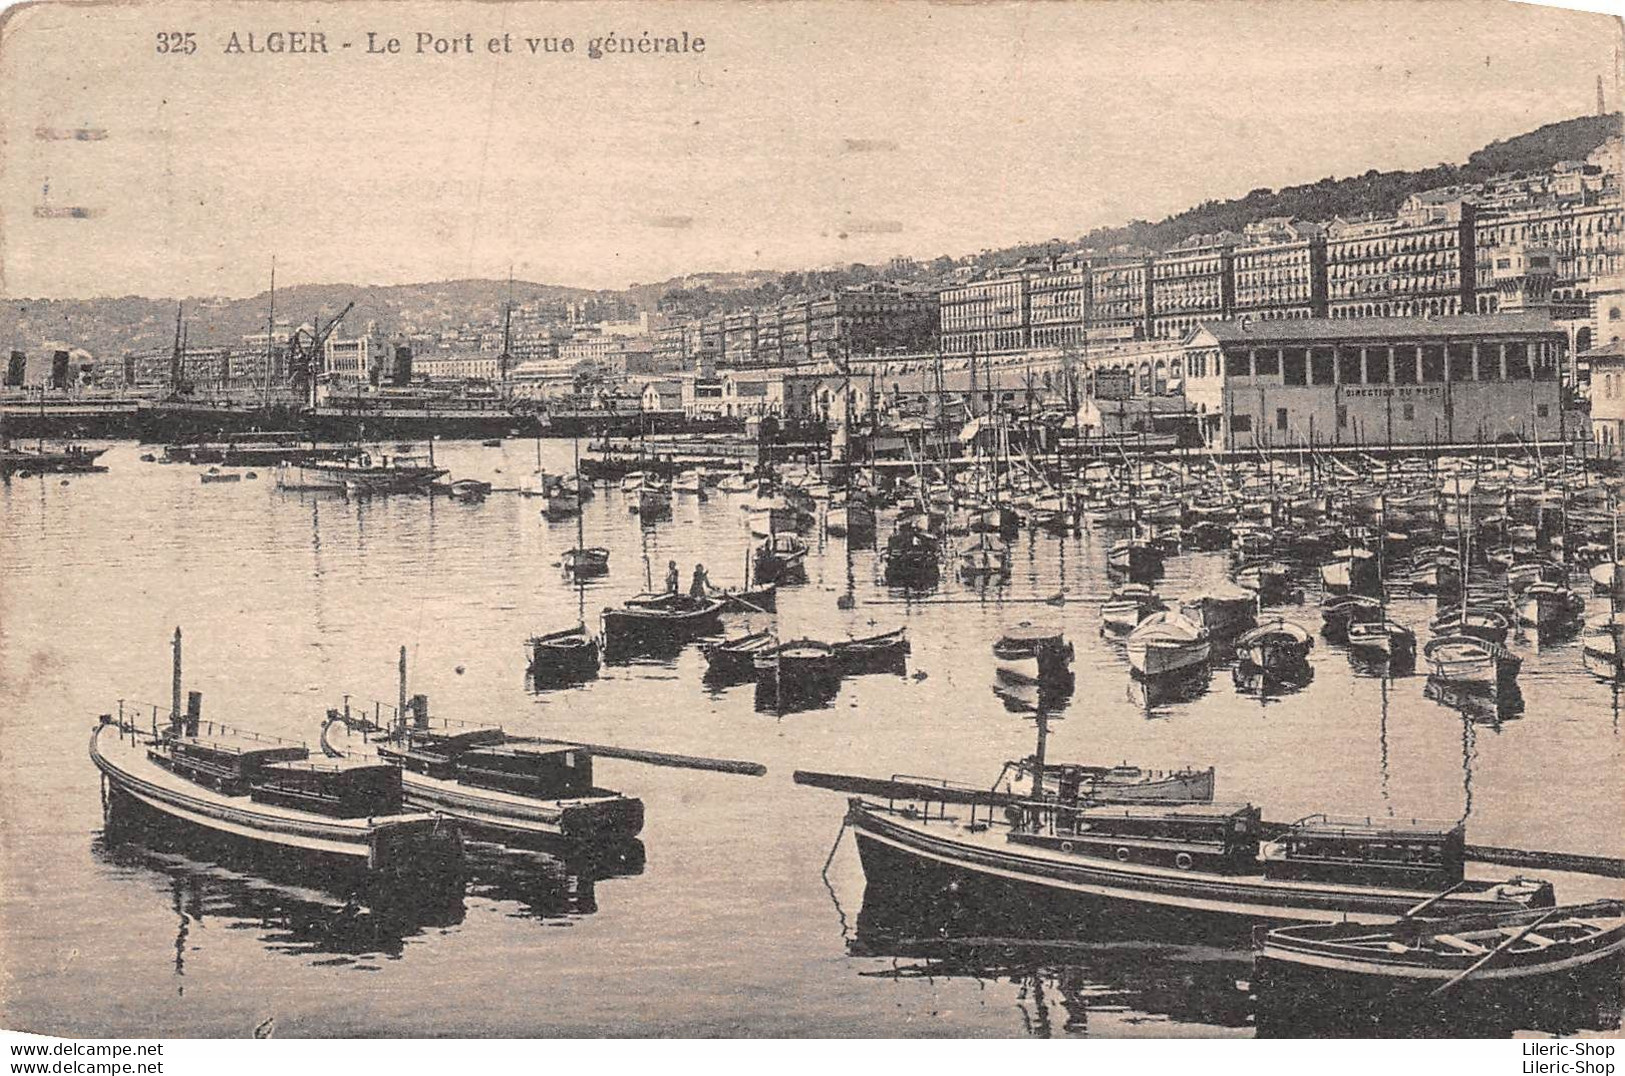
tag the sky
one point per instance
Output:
(804, 135)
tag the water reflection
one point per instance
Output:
(321, 926)
(1157, 694)
(549, 884)
(1272, 685)
(1483, 703)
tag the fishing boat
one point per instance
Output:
(1601, 651)
(737, 482)
(987, 559)
(1034, 653)
(689, 482)
(1188, 863)
(633, 481)
(912, 559)
(1071, 782)
(1270, 580)
(586, 563)
(469, 490)
(510, 788)
(1479, 622)
(1548, 606)
(804, 668)
(360, 473)
(1167, 642)
(885, 651)
(654, 499)
(220, 785)
(559, 503)
(1416, 958)
(659, 622)
(849, 513)
(1338, 611)
(1135, 558)
(1127, 606)
(733, 660)
(568, 656)
(1608, 577)
(763, 599)
(1352, 570)
(72, 459)
(215, 474)
(782, 558)
(1224, 611)
(1470, 660)
(1382, 640)
(1276, 645)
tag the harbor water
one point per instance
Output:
(737, 914)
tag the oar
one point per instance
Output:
(1491, 955)
(1432, 901)
(736, 600)
(659, 758)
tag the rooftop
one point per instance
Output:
(1297, 329)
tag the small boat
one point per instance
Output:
(1608, 578)
(1034, 653)
(1477, 621)
(654, 499)
(1225, 611)
(1382, 640)
(469, 490)
(763, 599)
(1602, 655)
(343, 818)
(1270, 580)
(733, 660)
(1470, 660)
(74, 459)
(660, 622)
(912, 559)
(737, 483)
(586, 563)
(780, 559)
(359, 473)
(492, 442)
(1338, 611)
(1548, 606)
(633, 481)
(1208, 535)
(687, 482)
(1128, 605)
(1167, 642)
(1276, 645)
(561, 503)
(802, 667)
(987, 559)
(1135, 558)
(516, 789)
(1417, 957)
(883, 652)
(214, 474)
(1350, 571)
(569, 656)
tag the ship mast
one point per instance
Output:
(505, 359)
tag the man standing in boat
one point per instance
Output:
(700, 588)
(674, 578)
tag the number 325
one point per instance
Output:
(178, 43)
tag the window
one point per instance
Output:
(1517, 362)
(1267, 361)
(1236, 364)
(1433, 364)
(1348, 365)
(1241, 424)
(1410, 412)
(1542, 410)
(1461, 362)
(1489, 362)
(1376, 366)
(1280, 418)
(1405, 366)
(1342, 416)
(1294, 366)
(1321, 366)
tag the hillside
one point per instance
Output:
(111, 326)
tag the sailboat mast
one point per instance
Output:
(270, 333)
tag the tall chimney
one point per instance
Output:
(59, 370)
(403, 365)
(175, 687)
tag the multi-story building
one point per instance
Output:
(769, 349)
(739, 338)
(1192, 283)
(991, 314)
(459, 366)
(348, 359)
(677, 347)
(1375, 381)
(868, 319)
(1607, 366)
(795, 332)
(1383, 269)
(1281, 279)
(1120, 299)
(1059, 303)
(1587, 240)
(752, 393)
